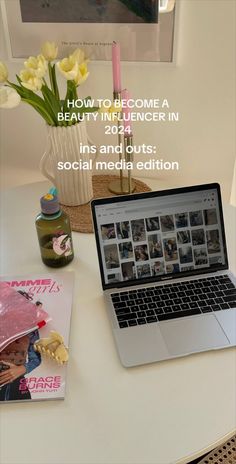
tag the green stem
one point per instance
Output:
(53, 80)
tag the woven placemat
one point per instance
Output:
(80, 216)
(224, 454)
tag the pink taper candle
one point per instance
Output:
(116, 67)
(125, 95)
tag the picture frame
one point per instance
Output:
(150, 37)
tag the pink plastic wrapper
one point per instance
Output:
(18, 316)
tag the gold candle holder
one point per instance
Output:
(124, 184)
(128, 142)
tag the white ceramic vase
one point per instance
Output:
(64, 145)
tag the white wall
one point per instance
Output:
(201, 87)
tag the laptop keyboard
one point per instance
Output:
(160, 303)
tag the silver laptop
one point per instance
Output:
(164, 271)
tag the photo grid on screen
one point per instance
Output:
(151, 246)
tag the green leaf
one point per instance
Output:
(54, 79)
(40, 110)
(52, 103)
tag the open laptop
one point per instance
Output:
(164, 270)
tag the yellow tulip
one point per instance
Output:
(69, 68)
(49, 51)
(82, 74)
(78, 55)
(30, 80)
(37, 64)
(3, 72)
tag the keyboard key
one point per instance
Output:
(123, 324)
(198, 291)
(206, 309)
(190, 286)
(142, 307)
(189, 292)
(224, 306)
(176, 308)
(222, 287)
(177, 301)
(141, 321)
(232, 304)
(180, 294)
(174, 315)
(173, 295)
(211, 295)
(141, 314)
(119, 305)
(132, 322)
(158, 311)
(184, 306)
(152, 305)
(126, 317)
(230, 292)
(147, 300)
(193, 305)
(115, 299)
(122, 311)
(216, 307)
(167, 309)
(231, 285)
(229, 298)
(219, 293)
(151, 319)
(150, 312)
(141, 294)
(134, 308)
(157, 291)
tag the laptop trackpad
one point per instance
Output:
(190, 334)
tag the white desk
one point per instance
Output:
(156, 414)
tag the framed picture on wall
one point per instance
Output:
(144, 28)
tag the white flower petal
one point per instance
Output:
(9, 98)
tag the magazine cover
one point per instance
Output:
(26, 374)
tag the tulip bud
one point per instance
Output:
(49, 51)
(3, 72)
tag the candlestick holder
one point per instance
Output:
(124, 184)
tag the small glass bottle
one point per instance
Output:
(54, 233)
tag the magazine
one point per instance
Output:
(25, 374)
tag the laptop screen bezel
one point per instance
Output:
(152, 194)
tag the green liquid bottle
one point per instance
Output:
(54, 233)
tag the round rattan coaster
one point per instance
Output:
(80, 216)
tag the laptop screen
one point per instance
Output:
(158, 235)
